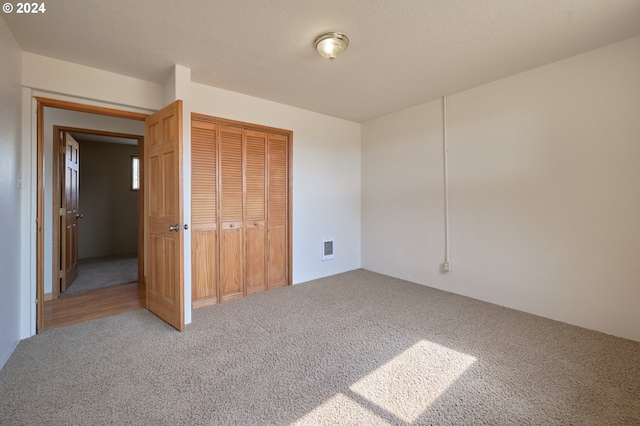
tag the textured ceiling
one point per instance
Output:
(402, 52)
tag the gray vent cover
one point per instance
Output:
(327, 249)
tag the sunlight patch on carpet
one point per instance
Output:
(408, 384)
(402, 389)
(340, 409)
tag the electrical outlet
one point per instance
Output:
(446, 266)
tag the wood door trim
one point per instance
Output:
(290, 209)
(241, 124)
(99, 133)
(55, 220)
(91, 109)
(142, 283)
(40, 219)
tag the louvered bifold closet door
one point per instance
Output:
(204, 238)
(278, 183)
(255, 211)
(231, 213)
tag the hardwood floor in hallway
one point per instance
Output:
(92, 305)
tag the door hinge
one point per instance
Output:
(36, 301)
(62, 211)
(61, 274)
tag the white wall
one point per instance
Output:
(61, 77)
(544, 174)
(10, 135)
(108, 204)
(326, 176)
(60, 117)
(402, 193)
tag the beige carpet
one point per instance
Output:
(357, 348)
(101, 272)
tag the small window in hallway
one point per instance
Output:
(135, 173)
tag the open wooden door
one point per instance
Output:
(164, 239)
(69, 214)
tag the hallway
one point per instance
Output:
(91, 305)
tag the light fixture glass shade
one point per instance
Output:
(331, 45)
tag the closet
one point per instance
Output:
(240, 209)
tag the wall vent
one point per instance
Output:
(327, 249)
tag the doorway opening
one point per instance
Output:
(97, 211)
(62, 238)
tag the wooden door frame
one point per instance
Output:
(56, 195)
(40, 219)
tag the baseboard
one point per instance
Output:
(48, 296)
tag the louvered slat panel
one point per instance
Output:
(231, 213)
(203, 175)
(231, 173)
(204, 286)
(277, 179)
(277, 209)
(255, 175)
(255, 210)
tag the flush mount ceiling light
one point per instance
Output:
(331, 45)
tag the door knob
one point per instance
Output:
(174, 228)
(79, 216)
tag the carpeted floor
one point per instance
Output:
(101, 272)
(357, 348)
